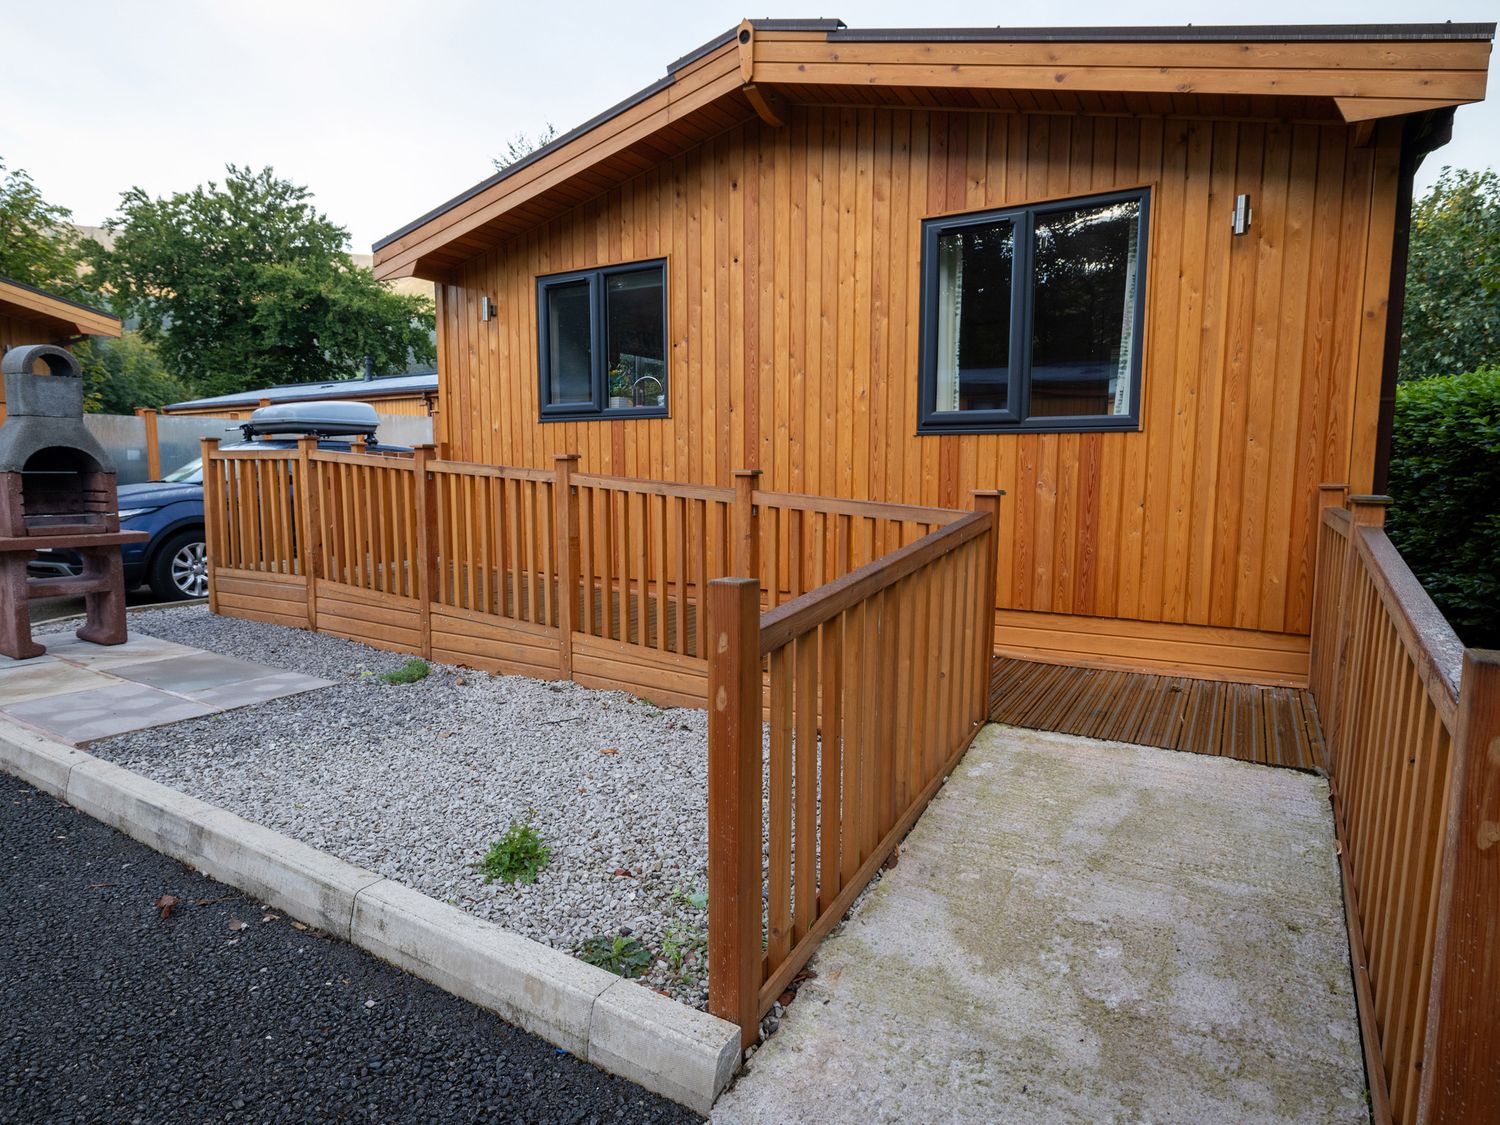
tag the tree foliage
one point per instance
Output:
(1445, 479)
(247, 284)
(39, 246)
(523, 145)
(120, 375)
(1452, 320)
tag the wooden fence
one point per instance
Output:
(539, 572)
(1412, 729)
(873, 685)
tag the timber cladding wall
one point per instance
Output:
(792, 259)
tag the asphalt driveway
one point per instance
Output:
(222, 1010)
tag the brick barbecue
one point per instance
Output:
(57, 489)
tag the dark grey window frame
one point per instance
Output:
(930, 420)
(599, 407)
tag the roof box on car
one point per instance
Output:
(323, 419)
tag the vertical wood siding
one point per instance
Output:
(793, 274)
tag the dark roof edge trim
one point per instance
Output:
(1230, 33)
(55, 297)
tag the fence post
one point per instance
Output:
(309, 524)
(734, 803)
(213, 516)
(565, 504)
(153, 446)
(425, 515)
(1329, 496)
(1460, 1079)
(746, 525)
(988, 500)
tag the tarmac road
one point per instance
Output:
(224, 1011)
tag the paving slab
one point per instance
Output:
(245, 692)
(35, 680)
(79, 692)
(139, 649)
(190, 675)
(1084, 931)
(80, 717)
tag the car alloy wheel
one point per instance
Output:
(190, 570)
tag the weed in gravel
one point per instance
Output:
(408, 673)
(621, 955)
(698, 900)
(515, 857)
(685, 951)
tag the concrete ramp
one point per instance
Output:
(1084, 931)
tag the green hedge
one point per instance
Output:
(1445, 479)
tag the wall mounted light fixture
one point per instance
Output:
(486, 309)
(1239, 221)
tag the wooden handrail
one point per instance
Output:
(1431, 641)
(655, 487)
(869, 509)
(792, 619)
(507, 472)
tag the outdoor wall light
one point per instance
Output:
(1239, 220)
(486, 309)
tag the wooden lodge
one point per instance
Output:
(734, 376)
(775, 190)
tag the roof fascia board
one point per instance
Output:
(1395, 68)
(1223, 33)
(671, 103)
(33, 302)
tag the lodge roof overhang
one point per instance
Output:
(1330, 73)
(56, 316)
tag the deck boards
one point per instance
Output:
(1270, 725)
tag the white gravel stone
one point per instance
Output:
(415, 781)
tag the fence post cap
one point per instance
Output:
(1371, 501)
(732, 581)
(210, 440)
(565, 456)
(747, 472)
(996, 493)
(1332, 486)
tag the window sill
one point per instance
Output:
(605, 415)
(929, 428)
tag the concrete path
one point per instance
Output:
(79, 692)
(1084, 931)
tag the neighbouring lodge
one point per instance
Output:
(1148, 281)
(32, 316)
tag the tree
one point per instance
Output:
(39, 245)
(248, 284)
(1452, 320)
(522, 145)
(120, 375)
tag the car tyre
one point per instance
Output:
(180, 567)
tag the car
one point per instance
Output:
(174, 560)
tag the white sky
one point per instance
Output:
(385, 108)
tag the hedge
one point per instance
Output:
(1445, 481)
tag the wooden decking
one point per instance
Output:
(1273, 726)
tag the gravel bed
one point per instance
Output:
(416, 781)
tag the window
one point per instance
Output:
(1032, 317)
(602, 342)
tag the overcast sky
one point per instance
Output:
(385, 109)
